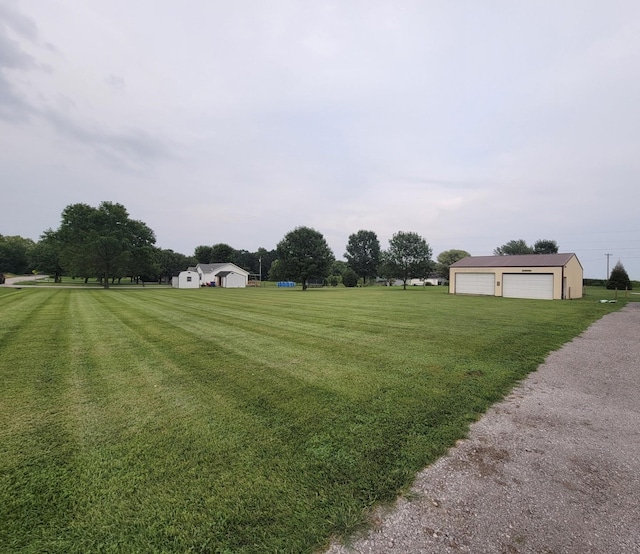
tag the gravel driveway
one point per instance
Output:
(554, 468)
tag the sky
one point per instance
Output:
(470, 123)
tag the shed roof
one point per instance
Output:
(208, 268)
(526, 260)
(215, 268)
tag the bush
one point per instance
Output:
(350, 279)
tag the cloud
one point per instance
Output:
(125, 149)
(467, 125)
(13, 105)
(115, 82)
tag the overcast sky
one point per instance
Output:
(470, 123)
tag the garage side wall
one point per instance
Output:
(234, 281)
(574, 275)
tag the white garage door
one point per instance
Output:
(528, 285)
(475, 283)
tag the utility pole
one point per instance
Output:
(607, 255)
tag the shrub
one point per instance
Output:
(619, 279)
(350, 279)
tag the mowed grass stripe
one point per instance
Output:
(166, 444)
(265, 343)
(247, 421)
(36, 448)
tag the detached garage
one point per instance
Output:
(540, 276)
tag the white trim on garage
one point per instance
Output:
(528, 285)
(475, 283)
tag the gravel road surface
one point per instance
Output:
(554, 468)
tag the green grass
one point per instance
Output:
(255, 420)
(79, 282)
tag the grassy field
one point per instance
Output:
(254, 420)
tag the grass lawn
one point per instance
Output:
(253, 420)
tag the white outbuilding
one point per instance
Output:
(226, 275)
(186, 280)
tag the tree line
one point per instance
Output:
(106, 244)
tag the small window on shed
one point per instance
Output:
(188, 278)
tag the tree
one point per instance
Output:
(619, 279)
(142, 258)
(350, 278)
(103, 242)
(45, 255)
(203, 254)
(304, 254)
(513, 248)
(74, 236)
(171, 263)
(363, 254)
(338, 268)
(337, 271)
(519, 247)
(446, 259)
(544, 246)
(265, 259)
(276, 272)
(222, 253)
(14, 254)
(249, 261)
(408, 257)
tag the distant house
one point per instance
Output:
(186, 280)
(226, 275)
(433, 280)
(543, 276)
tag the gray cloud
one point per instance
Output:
(470, 126)
(13, 106)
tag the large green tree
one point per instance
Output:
(519, 247)
(46, 255)
(446, 259)
(513, 248)
(619, 278)
(203, 254)
(408, 257)
(363, 254)
(14, 254)
(304, 254)
(545, 246)
(222, 253)
(171, 263)
(103, 242)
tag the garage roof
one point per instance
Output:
(527, 260)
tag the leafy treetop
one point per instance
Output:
(408, 256)
(363, 254)
(304, 254)
(519, 247)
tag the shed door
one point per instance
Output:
(528, 285)
(475, 283)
